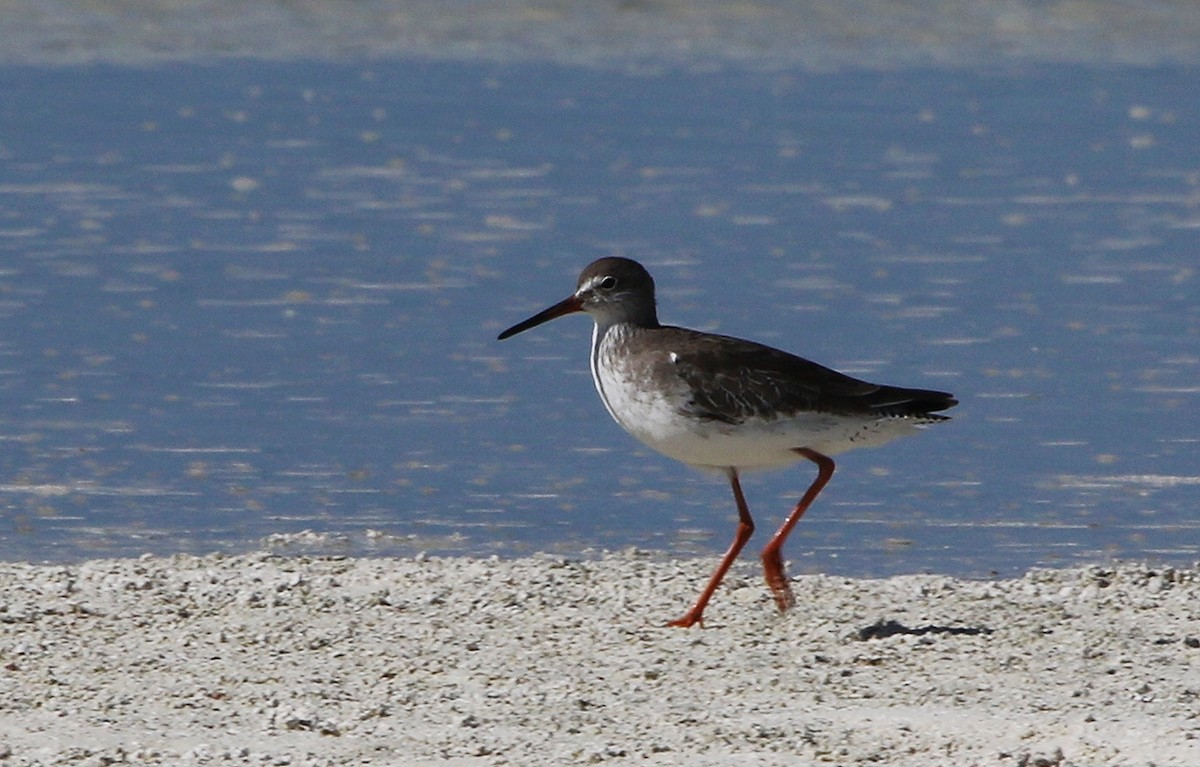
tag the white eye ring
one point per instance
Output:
(608, 283)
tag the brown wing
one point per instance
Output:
(731, 380)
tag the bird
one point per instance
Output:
(726, 404)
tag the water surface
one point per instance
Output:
(251, 303)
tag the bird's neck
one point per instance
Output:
(617, 332)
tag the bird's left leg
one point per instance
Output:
(772, 553)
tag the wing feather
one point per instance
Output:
(731, 380)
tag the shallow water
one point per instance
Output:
(245, 300)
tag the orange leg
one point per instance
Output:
(772, 553)
(745, 529)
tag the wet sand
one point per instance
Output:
(262, 659)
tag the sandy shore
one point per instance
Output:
(540, 661)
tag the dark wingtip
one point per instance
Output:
(914, 403)
(944, 401)
(930, 402)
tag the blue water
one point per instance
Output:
(254, 304)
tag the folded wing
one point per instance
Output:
(733, 380)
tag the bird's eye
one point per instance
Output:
(608, 283)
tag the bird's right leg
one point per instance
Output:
(745, 529)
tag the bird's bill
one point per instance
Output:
(566, 306)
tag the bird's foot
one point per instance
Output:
(777, 579)
(692, 618)
(784, 598)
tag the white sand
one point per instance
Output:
(539, 661)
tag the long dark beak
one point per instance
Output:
(566, 306)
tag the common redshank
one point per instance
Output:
(722, 403)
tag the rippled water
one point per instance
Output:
(255, 304)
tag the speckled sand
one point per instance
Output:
(540, 661)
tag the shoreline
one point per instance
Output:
(268, 659)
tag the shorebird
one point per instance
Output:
(727, 404)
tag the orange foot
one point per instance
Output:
(691, 619)
(782, 591)
(777, 579)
